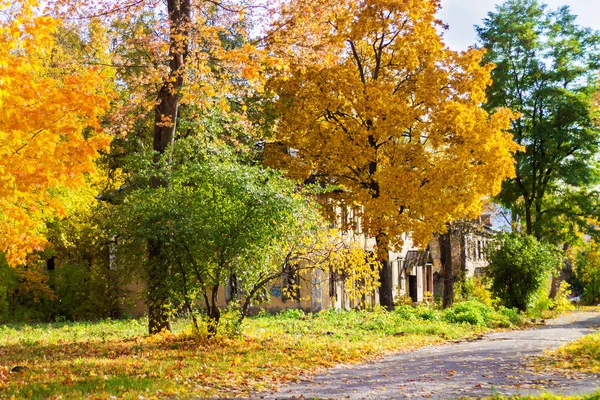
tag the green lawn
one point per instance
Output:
(116, 358)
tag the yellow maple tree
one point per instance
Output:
(374, 102)
(49, 127)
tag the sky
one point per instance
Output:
(461, 15)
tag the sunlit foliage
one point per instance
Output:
(49, 128)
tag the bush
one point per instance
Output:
(512, 314)
(543, 306)
(587, 272)
(472, 312)
(476, 313)
(481, 292)
(464, 289)
(292, 313)
(561, 300)
(518, 268)
(406, 312)
(540, 302)
(427, 313)
(24, 293)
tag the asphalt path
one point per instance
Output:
(497, 364)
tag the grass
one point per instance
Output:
(116, 358)
(581, 355)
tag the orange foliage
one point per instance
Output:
(49, 128)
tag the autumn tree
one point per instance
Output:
(175, 63)
(373, 102)
(49, 127)
(546, 70)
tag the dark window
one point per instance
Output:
(333, 278)
(344, 218)
(50, 266)
(232, 291)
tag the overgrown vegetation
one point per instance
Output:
(114, 358)
(220, 221)
(518, 268)
(471, 312)
(541, 305)
(587, 274)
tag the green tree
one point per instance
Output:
(518, 267)
(546, 70)
(587, 273)
(221, 222)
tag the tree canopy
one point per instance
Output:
(546, 70)
(49, 127)
(381, 108)
(223, 222)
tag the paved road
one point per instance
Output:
(496, 364)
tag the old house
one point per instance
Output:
(467, 246)
(415, 272)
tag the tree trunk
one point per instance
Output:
(463, 252)
(158, 290)
(447, 271)
(535, 226)
(386, 290)
(214, 313)
(165, 122)
(559, 276)
(528, 219)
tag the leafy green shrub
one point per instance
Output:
(427, 313)
(406, 312)
(503, 317)
(587, 272)
(220, 219)
(376, 323)
(292, 313)
(472, 312)
(512, 314)
(540, 301)
(24, 294)
(518, 268)
(464, 289)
